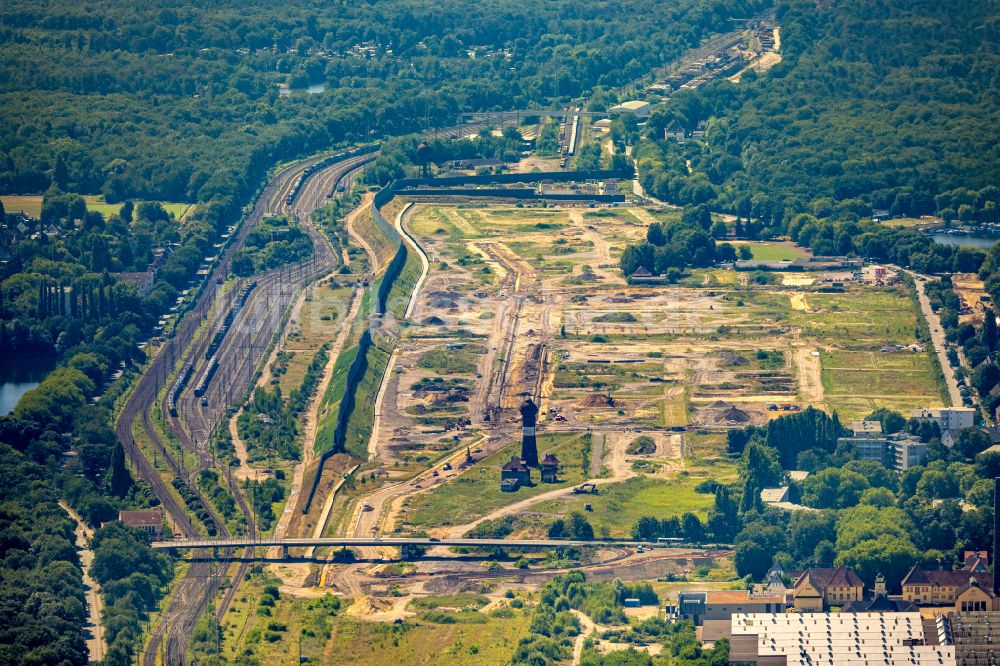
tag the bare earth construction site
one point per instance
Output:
(517, 301)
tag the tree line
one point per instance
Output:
(842, 124)
(867, 512)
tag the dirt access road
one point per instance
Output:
(95, 644)
(937, 338)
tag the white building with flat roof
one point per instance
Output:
(837, 639)
(636, 108)
(947, 418)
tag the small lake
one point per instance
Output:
(984, 242)
(20, 376)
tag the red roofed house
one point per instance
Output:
(976, 560)
(150, 522)
(818, 589)
(929, 587)
(974, 597)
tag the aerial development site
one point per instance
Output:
(509, 333)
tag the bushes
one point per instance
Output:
(194, 505)
(262, 495)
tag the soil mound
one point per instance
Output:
(598, 400)
(641, 446)
(731, 359)
(732, 415)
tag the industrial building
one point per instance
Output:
(843, 639)
(636, 108)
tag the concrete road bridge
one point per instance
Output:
(217, 545)
(496, 116)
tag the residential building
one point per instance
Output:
(908, 452)
(774, 582)
(818, 589)
(780, 498)
(514, 474)
(150, 522)
(721, 604)
(602, 125)
(550, 469)
(867, 447)
(973, 597)
(938, 588)
(897, 451)
(880, 602)
(866, 427)
(977, 561)
(143, 281)
(774, 495)
(947, 418)
(674, 131)
(841, 639)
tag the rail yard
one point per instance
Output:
(483, 323)
(446, 308)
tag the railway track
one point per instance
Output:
(193, 427)
(202, 581)
(184, 609)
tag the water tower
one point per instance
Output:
(529, 446)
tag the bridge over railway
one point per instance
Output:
(217, 545)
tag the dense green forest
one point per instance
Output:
(892, 105)
(157, 100)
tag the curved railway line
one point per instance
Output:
(289, 191)
(203, 579)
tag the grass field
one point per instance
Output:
(452, 361)
(277, 634)
(770, 251)
(420, 642)
(321, 317)
(908, 222)
(860, 318)
(477, 492)
(31, 205)
(446, 601)
(619, 505)
(857, 383)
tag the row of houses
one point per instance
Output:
(820, 590)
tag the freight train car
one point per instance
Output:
(210, 369)
(179, 383)
(220, 335)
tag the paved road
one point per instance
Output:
(95, 644)
(349, 542)
(937, 338)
